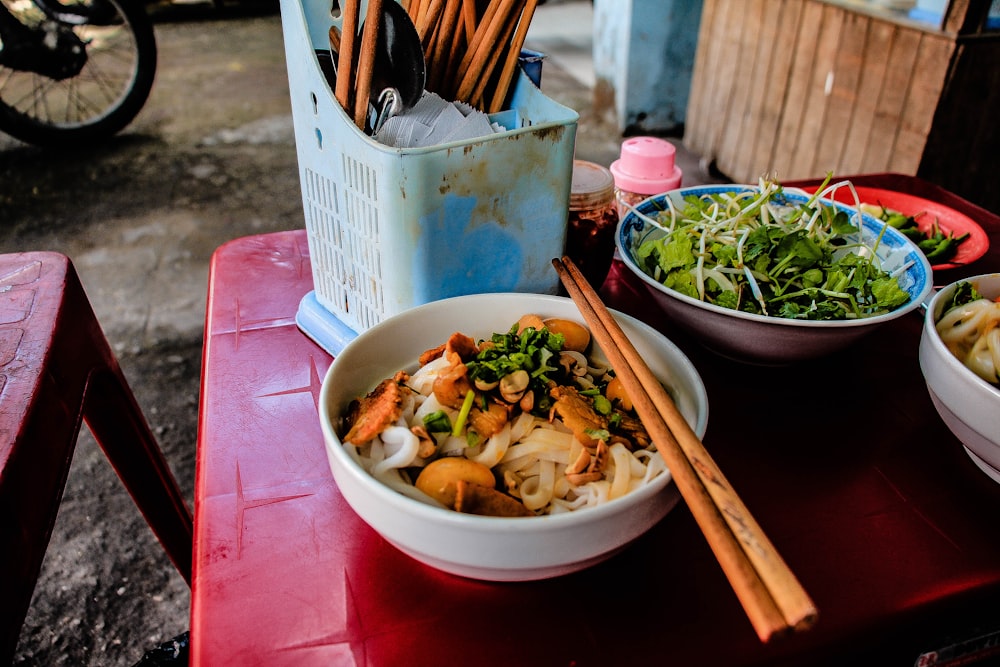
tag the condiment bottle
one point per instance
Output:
(645, 167)
(592, 221)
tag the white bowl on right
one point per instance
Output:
(968, 404)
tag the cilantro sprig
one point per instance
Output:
(759, 253)
(965, 292)
(535, 351)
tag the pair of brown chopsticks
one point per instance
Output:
(355, 65)
(772, 597)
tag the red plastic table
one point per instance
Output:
(843, 461)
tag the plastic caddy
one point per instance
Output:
(393, 228)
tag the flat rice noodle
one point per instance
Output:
(495, 448)
(544, 444)
(537, 490)
(422, 381)
(401, 447)
(622, 474)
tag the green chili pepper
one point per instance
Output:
(940, 250)
(946, 248)
(931, 244)
(897, 220)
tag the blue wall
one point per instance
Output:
(644, 55)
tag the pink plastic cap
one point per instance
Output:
(646, 166)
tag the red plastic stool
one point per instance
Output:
(57, 368)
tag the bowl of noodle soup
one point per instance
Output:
(557, 538)
(960, 360)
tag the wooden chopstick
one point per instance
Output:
(345, 57)
(414, 9)
(366, 61)
(427, 23)
(444, 42)
(469, 19)
(334, 35)
(507, 73)
(772, 597)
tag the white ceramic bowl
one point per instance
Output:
(969, 405)
(481, 547)
(763, 339)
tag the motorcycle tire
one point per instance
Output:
(102, 98)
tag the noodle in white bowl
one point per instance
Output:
(971, 332)
(532, 456)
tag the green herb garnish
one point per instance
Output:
(534, 351)
(759, 253)
(463, 413)
(437, 422)
(965, 292)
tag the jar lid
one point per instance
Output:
(646, 166)
(592, 185)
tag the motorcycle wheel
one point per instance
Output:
(104, 97)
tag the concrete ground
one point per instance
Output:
(210, 158)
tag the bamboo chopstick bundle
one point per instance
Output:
(470, 21)
(438, 23)
(772, 597)
(487, 80)
(442, 66)
(472, 58)
(474, 64)
(459, 43)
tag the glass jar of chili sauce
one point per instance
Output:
(592, 221)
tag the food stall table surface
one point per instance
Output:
(843, 461)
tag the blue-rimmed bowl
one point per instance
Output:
(764, 339)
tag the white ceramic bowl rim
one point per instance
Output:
(521, 525)
(921, 266)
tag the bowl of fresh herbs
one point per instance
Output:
(771, 276)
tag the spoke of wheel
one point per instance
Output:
(110, 71)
